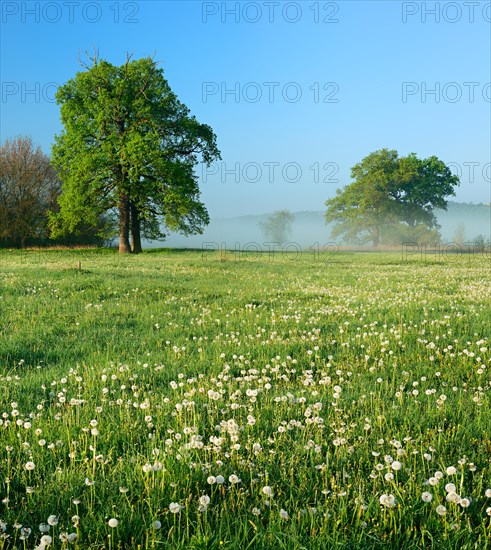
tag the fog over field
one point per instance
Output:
(310, 227)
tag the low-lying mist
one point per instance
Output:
(462, 221)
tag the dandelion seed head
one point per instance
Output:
(174, 507)
(387, 500)
(52, 520)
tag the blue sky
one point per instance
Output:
(256, 72)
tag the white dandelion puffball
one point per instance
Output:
(267, 491)
(52, 520)
(113, 522)
(465, 502)
(174, 507)
(426, 497)
(30, 465)
(283, 514)
(451, 470)
(387, 500)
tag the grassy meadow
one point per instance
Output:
(179, 400)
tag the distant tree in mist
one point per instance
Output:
(391, 195)
(278, 226)
(459, 235)
(481, 243)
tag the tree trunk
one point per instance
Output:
(124, 225)
(124, 204)
(375, 236)
(135, 229)
(410, 219)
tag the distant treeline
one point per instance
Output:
(29, 191)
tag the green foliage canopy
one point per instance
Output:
(129, 145)
(391, 194)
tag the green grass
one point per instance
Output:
(132, 382)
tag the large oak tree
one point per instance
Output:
(391, 194)
(129, 145)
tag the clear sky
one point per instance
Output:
(297, 92)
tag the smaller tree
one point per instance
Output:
(389, 195)
(278, 226)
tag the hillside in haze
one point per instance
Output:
(309, 228)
